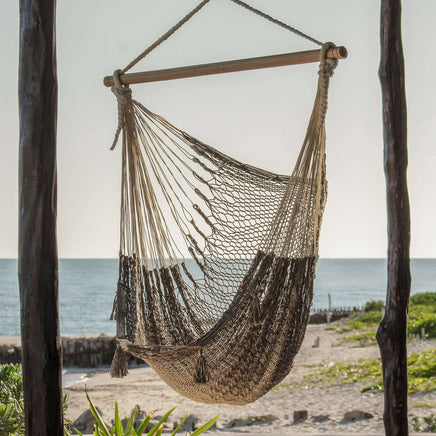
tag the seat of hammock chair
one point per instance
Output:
(224, 325)
(240, 359)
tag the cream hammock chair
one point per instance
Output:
(224, 326)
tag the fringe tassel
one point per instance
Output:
(254, 317)
(114, 311)
(119, 363)
(201, 374)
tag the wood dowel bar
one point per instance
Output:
(281, 60)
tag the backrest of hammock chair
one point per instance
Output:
(225, 213)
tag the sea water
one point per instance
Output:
(87, 288)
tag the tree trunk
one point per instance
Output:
(37, 257)
(392, 332)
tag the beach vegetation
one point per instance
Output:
(423, 299)
(424, 423)
(361, 321)
(367, 338)
(422, 318)
(254, 419)
(421, 370)
(374, 306)
(425, 404)
(129, 428)
(11, 400)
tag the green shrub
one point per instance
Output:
(422, 315)
(373, 305)
(129, 430)
(11, 400)
(424, 299)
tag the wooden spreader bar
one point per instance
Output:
(302, 57)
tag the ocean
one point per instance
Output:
(87, 289)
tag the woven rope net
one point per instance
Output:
(224, 324)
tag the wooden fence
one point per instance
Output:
(83, 352)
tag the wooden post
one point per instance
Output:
(37, 256)
(392, 332)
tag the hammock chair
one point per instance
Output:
(224, 326)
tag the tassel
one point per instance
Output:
(114, 311)
(254, 316)
(119, 363)
(201, 375)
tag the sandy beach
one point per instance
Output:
(272, 413)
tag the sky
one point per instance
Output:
(258, 117)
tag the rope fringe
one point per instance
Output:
(201, 373)
(254, 316)
(119, 363)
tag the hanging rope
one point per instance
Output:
(188, 16)
(275, 21)
(164, 37)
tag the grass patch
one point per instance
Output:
(254, 419)
(422, 315)
(361, 321)
(367, 338)
(421, 370)
(424, 404)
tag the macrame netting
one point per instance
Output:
(224, 326)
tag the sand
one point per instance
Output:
(326, 407)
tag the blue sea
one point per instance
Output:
(87, 288)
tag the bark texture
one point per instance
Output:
(38, 259)
(392, 332)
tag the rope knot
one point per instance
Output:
(328, 68)
(124, 97)
(327, 65)
(123, 94)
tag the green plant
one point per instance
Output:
(67, 422)
(11, 400)
(362, 321)
(368, 338)
(129, 430)
(424, 404)
(423, 299)
(373, 305)
(421, 369)
(424, 423)
(422, 316)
